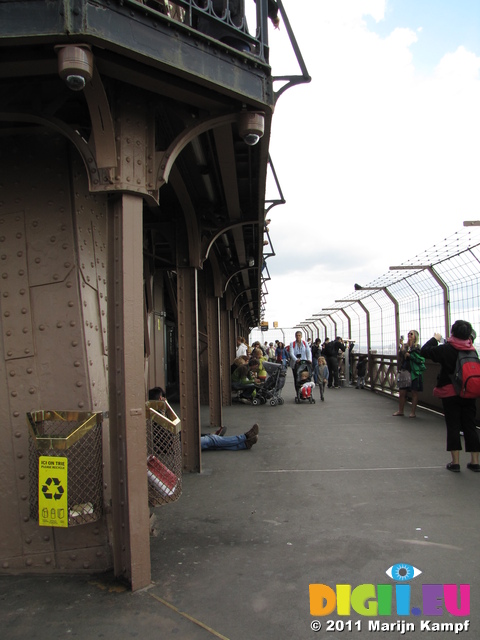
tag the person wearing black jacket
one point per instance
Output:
(459, 412)
(331, 354)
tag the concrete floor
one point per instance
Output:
(333, 493)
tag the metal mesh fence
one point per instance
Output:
(427, 293)
(78, 439)
(164, 450)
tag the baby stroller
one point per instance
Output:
(303, 373)
(271, 389)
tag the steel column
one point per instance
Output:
(225, 356)
(214, 361)
(131, 533)
(187, 297)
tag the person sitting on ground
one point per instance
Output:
(243, 380)
(157, 393)
(217, 441)
(260, 372)
(230, 443)
(238, 362)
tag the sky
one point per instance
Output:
(378, 157)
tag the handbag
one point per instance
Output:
(404, 379)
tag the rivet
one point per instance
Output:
(7, 314)
(29, 562)
(79, 383)
(37, 260)
(31, 391)
(74, 343)
(24, 311)
(48, 560)
(21, 476)
(25, 330)
(76, 363)
(16, 414)
(17, 433)
(42, 327)
(59, 325)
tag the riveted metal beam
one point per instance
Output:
(188, 366)
(131, 532)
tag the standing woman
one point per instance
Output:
(411, 366)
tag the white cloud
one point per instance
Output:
(376, 161)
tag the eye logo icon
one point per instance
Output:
(402, 572)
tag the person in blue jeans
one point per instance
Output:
(230, 443)
(217, 441)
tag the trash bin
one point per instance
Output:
(75, 438)
(164, 453)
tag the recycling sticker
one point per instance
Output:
(52, 491)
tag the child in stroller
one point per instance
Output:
(304, 384)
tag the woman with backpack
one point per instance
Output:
(459, 411)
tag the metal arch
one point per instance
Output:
(235, 273)
(58, 125)
(208, 244)
(166, 159)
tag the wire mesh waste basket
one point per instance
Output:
(164, 453)
(75, 438)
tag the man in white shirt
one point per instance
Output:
(241, 347)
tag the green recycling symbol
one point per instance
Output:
(52, 489)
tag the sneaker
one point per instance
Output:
(252, 432)
(245, 401)
(249, 442)
(221, 432)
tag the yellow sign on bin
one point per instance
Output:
(52, 491)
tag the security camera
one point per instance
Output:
(251, 126)
(75, 65)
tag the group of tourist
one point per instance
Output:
(459, 411)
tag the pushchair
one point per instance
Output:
(271, 389)
(301, 369)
